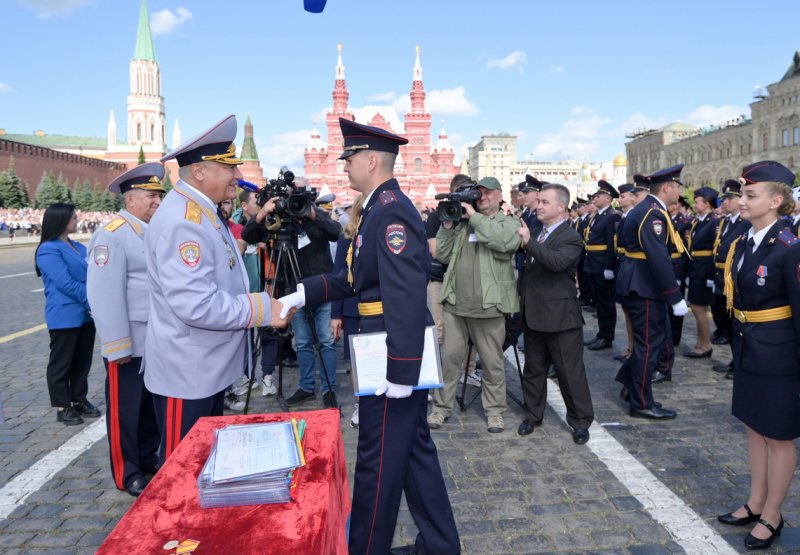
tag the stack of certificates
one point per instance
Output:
(251, 464)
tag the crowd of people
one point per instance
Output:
(168, 285)
(28, 221)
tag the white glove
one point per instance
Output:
(678, 282)
(686, 282)
(394, 391)
(293, 300)
(710, 284)
(608, 274)
(680, 309)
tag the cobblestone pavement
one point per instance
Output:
(510, 494)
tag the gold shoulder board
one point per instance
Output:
(193, 212)
(115, 224)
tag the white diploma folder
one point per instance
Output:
(368, 356)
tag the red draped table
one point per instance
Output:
(312, 523)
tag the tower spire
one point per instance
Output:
(144, 40)
(417, 68)
(417, 88)
(339, 64)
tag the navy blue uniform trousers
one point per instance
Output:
(396, 454)
(602, 292)
(133, 436)
(177, 416)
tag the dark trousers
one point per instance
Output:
(666, 358)
(602, 291)
(649, 318)
(722, 318)
(584, 291)
(396, 454)
(176, 417)
(676, 322)
(133, 436)
(349, 327)
(564, 349)
(269, 352)
(68, 368)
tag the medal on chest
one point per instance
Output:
(359, 241)
(762, 274)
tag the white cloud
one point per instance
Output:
(578, 138)
(450, 102)
(708, 114)
(5, 88)
(557, 69)
(517, 59)
(54, 8)
(639, 122)
(166, 21)
(285, 149)
(383, 98)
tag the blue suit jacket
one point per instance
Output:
(64, 275)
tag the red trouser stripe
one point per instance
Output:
(170, 417)
(646, 347)
(117, 461)
(176, 435)
(380, 471)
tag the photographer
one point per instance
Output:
(313, 234)
(478, 291)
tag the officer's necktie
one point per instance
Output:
(748, 252)
(543, 235)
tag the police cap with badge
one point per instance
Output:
(667, 175)
(358, 137)
(710, 195)
(731, 188)
(213, 145)
(145, 177)
(627, 188)
(606, 188)
(767, 170)
(530, 185)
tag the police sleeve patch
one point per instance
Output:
(190, 253)
(101, 255)
(658, 227)
(396, 237)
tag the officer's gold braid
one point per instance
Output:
(720, 227)
(350, 278)
(729, 275)
(588, 229)
(674, 236)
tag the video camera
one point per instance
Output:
(450, 210)
(291, 203)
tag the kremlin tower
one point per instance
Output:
(251, 167)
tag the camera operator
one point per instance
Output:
(478, 291)
(314, 233)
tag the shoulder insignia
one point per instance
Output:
(101, 255)
(788, 238)
(387, 197)
(193, 212)
(396, 238)
(115, 224)
(190, 253)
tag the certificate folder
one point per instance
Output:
(368, 354)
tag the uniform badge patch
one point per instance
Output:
(101, 255)
(658, 227)
(190, 253)
(396, 237)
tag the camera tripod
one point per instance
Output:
(286, 271)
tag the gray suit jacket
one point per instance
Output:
(549, 297)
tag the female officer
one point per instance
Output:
(701, 268)
(762, 286)
(61, 263)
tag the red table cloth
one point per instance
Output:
(313, 522)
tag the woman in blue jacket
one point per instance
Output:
(61, 263)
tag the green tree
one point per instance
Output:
(141, 155)
(46, 193)
(83, 195)
(26, 196)
(11, 193)
(62, 189)
(107, 202)
(167, 182)
(97, 199)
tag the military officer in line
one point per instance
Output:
(584, 214)
(600, 262)
(200, 308)
(628, 198)
(388, 267)
(794, 219)
(646, 285)
(117, 290)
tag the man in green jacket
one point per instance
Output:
(478, 292)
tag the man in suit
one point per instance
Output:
(196, 343)
(118, 293)
(554, 330)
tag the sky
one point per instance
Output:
(569, 79)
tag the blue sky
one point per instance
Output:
(568, 78)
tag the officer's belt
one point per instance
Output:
(767, 315)
(719, 265)
(370, 309)
(675, 255)
(620, 250)
(596, 247)
(702, 253)
(636, 255)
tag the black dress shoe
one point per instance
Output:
(600, 345)
(86, 409)
(728, 518)
(695, 354)
(136, 487)
(68, 417)
(655, 413)
(729, 374)
(623, 356)
(625, 395)
(658, 377)
(722, 368)
(580, 435)
(752, 542)
(329, 400)
(587, 342)
(722, 340)
(299, 396)
(526, 427)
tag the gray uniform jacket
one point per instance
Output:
(117, 287)
(200, 307)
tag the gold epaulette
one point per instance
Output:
(193, 212)
(115, 224)
(728, 275)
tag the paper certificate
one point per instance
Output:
(369, 355)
